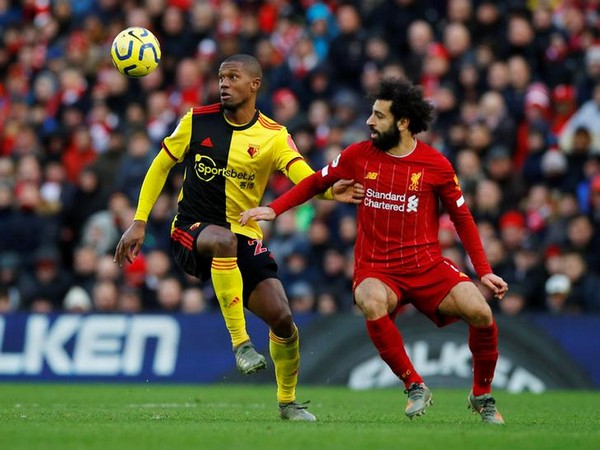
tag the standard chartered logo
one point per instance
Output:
(390, 201)
(412, 204)
(206, 169)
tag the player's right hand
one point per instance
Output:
(131, 243)
(258, 213)
(498, 286)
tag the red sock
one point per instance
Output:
(483, 343)
(388, 341)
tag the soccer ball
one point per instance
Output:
(135, 52)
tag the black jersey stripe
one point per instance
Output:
(204, 197)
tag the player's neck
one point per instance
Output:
(239, 116)
(406, 146)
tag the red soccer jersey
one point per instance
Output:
(398, 218)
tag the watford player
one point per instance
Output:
(229, 151)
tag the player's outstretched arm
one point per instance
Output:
(131, 243)
(498, 286)
(258, 213)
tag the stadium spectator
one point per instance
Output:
(193, 301)
(334, 276)
(105, 297)
(322, 28)
(88, 198)
(584, 239)
(347, 50)
(487, 202)
(500, 168)
(169, 294)
(134, 165)
(130, 300)
(302, 297)
(286, 108)
(586, 117)
(101, 229)
(158, 229)
(513, 229)
(514, 302)
(327, 303)
(33, 221)
(45, 288)
(298, 267)
(419, 37)
(79, 153)
(85, 262)
(77, 301)
(585, 284)
(469, 171)
(5, 305)
(558, 288)
(108, 162)
(10, 273)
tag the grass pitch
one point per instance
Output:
(107, 417)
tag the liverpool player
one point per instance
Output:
(398, 258)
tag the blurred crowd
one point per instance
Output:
(516, 86)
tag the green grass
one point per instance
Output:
(107, 417)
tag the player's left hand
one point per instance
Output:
(498, 286)
(258, 213)
(348, 191)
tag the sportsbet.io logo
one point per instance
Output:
(206, 169)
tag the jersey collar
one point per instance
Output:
(244, 126)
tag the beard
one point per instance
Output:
(387, 140)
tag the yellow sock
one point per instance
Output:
(285, 354)
(227, 281)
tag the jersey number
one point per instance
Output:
(259, 248)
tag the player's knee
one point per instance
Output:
(481, 316)
(373, 307)
(281, 323)
(372, 298)
(225, 244)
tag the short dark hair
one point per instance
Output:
(250, 63)
(407, 101)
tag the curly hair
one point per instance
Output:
(407, 101)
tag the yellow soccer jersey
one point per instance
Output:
(227, 167)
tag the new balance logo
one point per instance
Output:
(371, 176)
(206, 142)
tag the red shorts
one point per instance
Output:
(425, 288)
